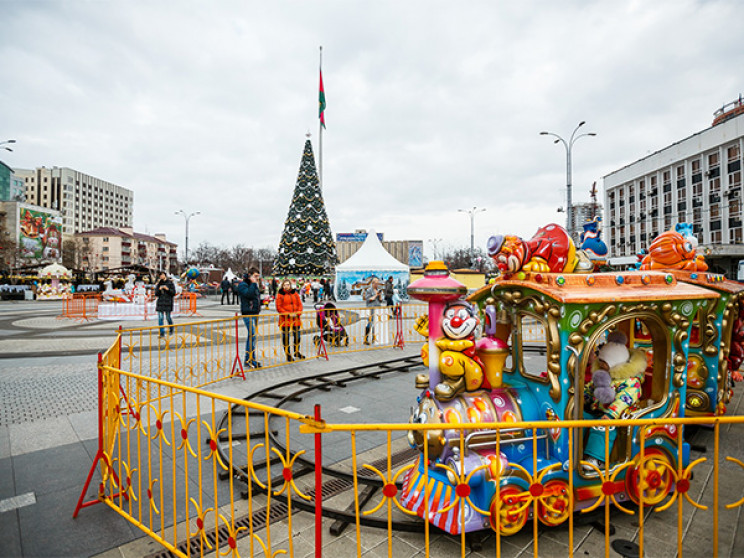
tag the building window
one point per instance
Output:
(733, 152)
(715, 237)
(713, 160)
(715, 211)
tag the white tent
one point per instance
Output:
(371, 260)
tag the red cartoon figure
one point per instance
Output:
(549, 250)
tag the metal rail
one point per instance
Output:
(292, 391)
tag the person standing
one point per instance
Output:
(226, 288)
(389, 291)
(234, 288)
(316, 290)
(165, 291)
(250, 306)
(289, 306)
(372, 298)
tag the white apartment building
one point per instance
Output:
(696, 180)
(86, 202)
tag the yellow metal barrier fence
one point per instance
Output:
(158, 472)
(199, 353)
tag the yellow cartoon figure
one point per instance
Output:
(460, 366)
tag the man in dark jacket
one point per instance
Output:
(234, 287)
(165, 291)
(226, 289)
(389, 291)
(250, 306)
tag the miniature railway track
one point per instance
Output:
(338, 481)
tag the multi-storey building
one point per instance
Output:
(111, 248)
(582, 213)
(409, 252)
(697, 180)
(11, 185)
(85, 202)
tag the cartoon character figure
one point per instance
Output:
(461, 368)
(427, 412)
(675, 249)
(592, 243)
(616, 387)
(549, 250)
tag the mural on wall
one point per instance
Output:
(351, 284)
(416, 254)
(39, 234)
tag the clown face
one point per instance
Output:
(459, 321)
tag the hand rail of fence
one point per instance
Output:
(155, 415)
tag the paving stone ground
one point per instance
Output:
(47, 444)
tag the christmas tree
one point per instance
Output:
(307, 246)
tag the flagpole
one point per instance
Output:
(320, 134)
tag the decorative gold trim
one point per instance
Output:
(730, 315)
(542, 308)
(708, 330)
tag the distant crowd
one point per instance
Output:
(310, 290)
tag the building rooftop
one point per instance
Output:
(113, 231)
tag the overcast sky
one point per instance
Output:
(431, 106)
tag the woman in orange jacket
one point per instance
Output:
(289, 306)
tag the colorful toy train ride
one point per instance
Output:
(562, 342)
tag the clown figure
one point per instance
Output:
(616, 386)
(460, 366)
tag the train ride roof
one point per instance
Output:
(714, 281)
(581, 288)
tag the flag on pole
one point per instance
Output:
(321, 102)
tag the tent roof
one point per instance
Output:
(372, 256)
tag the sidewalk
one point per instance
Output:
(43, 464)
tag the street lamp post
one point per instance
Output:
(187, 217)
(3, 144)
(472, 213)
(569, 146)
(435, 243)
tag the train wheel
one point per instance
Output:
(653, 483)
(554, 507)
(512, 513)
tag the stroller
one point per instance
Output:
(329, 322)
